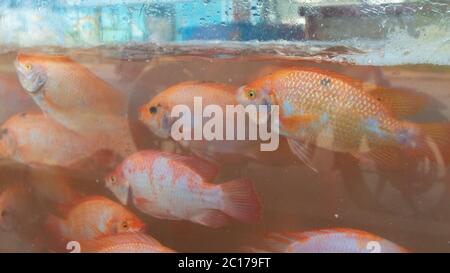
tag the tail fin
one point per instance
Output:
(241, 201)
(436, 148)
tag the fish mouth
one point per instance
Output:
(31, 82)
(159, 132)
(155, 127)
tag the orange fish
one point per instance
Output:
(32, 138)
(12, 98)
(340, 114)
(129, 242)
(156, 116)
(172, 186)
(337, 240)
(73, 96)
(63, 83)
(92, 217)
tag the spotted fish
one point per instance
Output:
(177, 187)
(341, 114)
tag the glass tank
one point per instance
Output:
(224, 126)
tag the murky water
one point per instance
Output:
(400, 205)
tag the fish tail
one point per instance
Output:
(437, 135)
(241, 201)
(433, 145)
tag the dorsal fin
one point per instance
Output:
(226, 87)
(207, 84)
(401, 103)
(204, 168)
(356, 83)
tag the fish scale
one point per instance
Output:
(342, 240)
(179, 187)
(347, 107)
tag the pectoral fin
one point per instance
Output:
(303, 151)
(207, 169)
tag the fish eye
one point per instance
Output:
(251, 93)
(113, 179)
(125, 225)
(153, 109)
(28, 66)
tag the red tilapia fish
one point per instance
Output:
(64, 83)
(32, 138)
(341, 114)
(156, 115)
(337, 240)
(129, 242)
(73, 96)
(176, 187)
(93, 217)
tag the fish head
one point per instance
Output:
(156, 116)
(256, 93)
(130, 223)
(32, 74)
(118, 185)
(7, 143)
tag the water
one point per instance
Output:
(399, 205)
